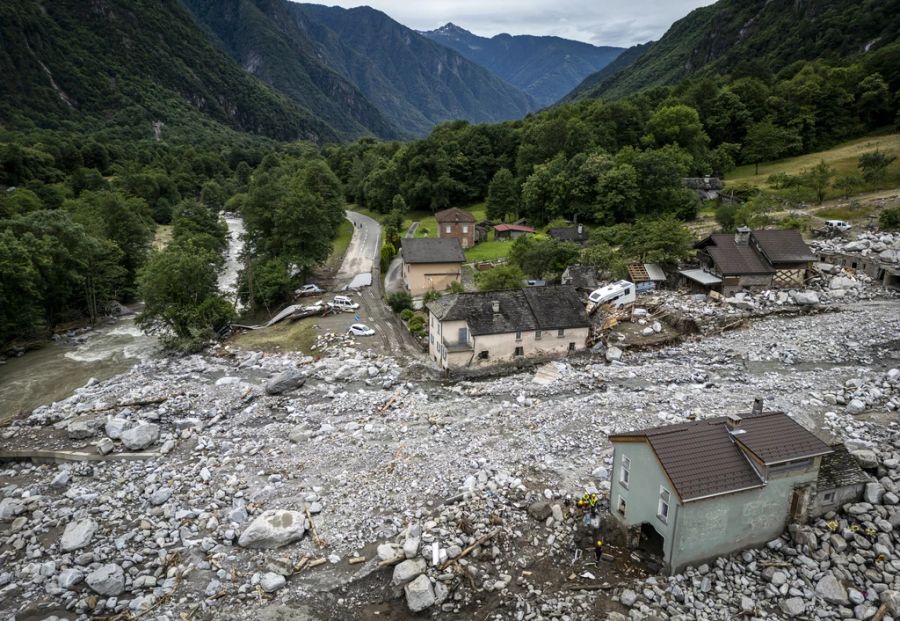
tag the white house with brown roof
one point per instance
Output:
(469, 330)
(690, 492)
(430, 264)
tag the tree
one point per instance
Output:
(767, 141)
(393, 227)
(847, 184)
(399, 204)
(503, 196)
(181, 301)
(540, 257)
(659, 240)
(499, 278)
(874, 165)
(818, 179)
(889, 220)
(265, 283)
(399, 301)
(617, 194)
(679, 125)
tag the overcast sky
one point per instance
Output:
(601, 22)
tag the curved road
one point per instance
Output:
(360, 271)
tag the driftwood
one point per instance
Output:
(132, 404)
(356, 560)
(881, 612)
(588, 587)
(469, 549)
(312, 527)
(316, 563)
(389, 402)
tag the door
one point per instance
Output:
(799, 504)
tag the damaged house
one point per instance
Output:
(756, 260)
(694, 491)
(476, 329)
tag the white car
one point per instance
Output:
(838, 225)
(360, 329)
(342, 302)
(309, 290)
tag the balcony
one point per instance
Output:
(453, 348)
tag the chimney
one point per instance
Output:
(757, 406)
(742, 236)
(732, 421)
(495, 307)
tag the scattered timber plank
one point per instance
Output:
(51, 456)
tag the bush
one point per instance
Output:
(399, 301)
(456, 287)
(416, 324)
(431, 296)
(407, 314)
(889, 219)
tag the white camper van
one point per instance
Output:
(618, 295)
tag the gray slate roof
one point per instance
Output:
(733, 259)
(431, 250)
(840, 469)
(786, 246)
(703, 459)
(535, 308)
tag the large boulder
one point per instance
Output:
(85, 426)
(271, 582)
(140, 437)
(108, 579)
(10, 507)
(285, 381)
(806, 298)
(274, 528)
(408, 570)
(613, 354)
(831, 590)
(77, 535)
(419, 594)
(792, 607)
(866, 458)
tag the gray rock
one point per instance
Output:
(865, 458)
(77, 535)
(411, 546)
(557, 512)
(61, 480)
(140, 437)
(628, 598)
(779, 578)
(105, 446)
(407, 571)
(892, 599)
(160, 496)
(856, 406)
(68, 578)
(299, 433)
(286, 381)
(419, 594)
(273, 529)
(793, 606)
(806, 298)
(10, 507)
(874, 493)
(389, 553)
(85, 426)
(613, 354)
(271, 582)
(540, 510)
(115, 427)
(108, 579)
(831, 590)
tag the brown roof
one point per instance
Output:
(783, 246)
(776, 438)
(735, 259)
(454, 214)
(703, 459)
(514, 227)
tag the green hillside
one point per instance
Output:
(756, 38)
(121, 66)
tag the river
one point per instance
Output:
(51, 373)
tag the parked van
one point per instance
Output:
(342, 302)
(619, 294)
(838, 226)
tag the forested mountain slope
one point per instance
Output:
(593, 83)
(547, 68)
(757, 38)
(269, 39)
(124, 66)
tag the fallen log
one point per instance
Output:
(139, 403)
(312, 527)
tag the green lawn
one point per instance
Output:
(843, 158)
(344, 234)
(286, 336)
(490, 250)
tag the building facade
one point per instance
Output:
(691, 492)
(430, 264)
(456, 224)
(470, 330)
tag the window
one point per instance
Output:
(662, 512)
(621, 507)
(447, 228)
(483, 355)
(571, 346)
(561, 332)
(625, 471)
(537, 335)
(518, 335)
(465, 228)
(828, 498)
(519, 351)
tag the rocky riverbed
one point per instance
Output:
(354, 486)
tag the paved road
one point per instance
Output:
(362, 257)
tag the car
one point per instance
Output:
(309, 290)
(360, 329)
(838, 225)
(535, 283)
(342, 302)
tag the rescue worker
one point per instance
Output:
(598, 549)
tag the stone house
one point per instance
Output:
(690, 492)
(512, 231)
(840, 481)
(490, 327)
(455, 223)
(577, 234)
(430, 263)
(756, 260)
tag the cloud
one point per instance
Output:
(601, 22)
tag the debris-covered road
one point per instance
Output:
(376, 455)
